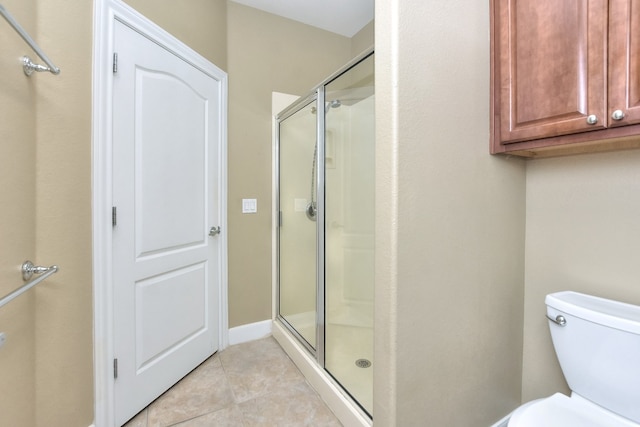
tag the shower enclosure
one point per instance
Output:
(325, 204)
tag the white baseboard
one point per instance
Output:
(250, 332)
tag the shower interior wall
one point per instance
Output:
(349, 245)
(349, 219)
(349, 232)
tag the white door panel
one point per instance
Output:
(159, 326)
(171, 111)
(166, 269)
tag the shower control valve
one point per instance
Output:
(311, 211)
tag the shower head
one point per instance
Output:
(332, 104)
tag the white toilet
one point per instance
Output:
(597, 342)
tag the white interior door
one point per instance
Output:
(166, 191)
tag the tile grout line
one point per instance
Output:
(233, 393)
(262, 356)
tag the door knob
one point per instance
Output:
(617, 115)
(214, 231)
(592, 119)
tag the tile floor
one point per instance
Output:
(246, 385)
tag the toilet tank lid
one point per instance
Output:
(603, 311)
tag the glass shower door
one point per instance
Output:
(297, 294)
(349, 230)
(325, 152)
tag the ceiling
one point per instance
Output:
(344, 17)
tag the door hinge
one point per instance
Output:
(115, 368)
(114, 216)
(115, 63)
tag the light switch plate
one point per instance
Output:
(249, 205)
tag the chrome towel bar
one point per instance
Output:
(27, 65)
(28, 270)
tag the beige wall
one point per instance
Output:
(46, 121)
(200, 24)
(450, 224)
(46, 211)
(583, 234)
(49, 119)
(17, 225)
(64, 368)
(451, 219)
(363, 39)
(266, 53)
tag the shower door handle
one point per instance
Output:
(214, 231)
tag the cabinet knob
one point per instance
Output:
(617, 115)
(592, 119)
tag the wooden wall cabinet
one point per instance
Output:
(565, 76)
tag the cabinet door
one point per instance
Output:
(624, 61)
(552, 67)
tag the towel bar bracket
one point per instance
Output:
(29, 269)
(29, 66)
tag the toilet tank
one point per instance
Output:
(598, 349)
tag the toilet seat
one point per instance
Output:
(561, 411)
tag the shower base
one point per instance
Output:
(345, 346)
(342, 405)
